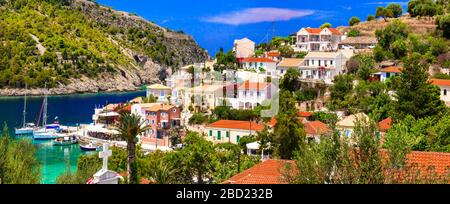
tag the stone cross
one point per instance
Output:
(105, 154)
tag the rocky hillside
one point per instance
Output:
(422, 25)
(77, 46)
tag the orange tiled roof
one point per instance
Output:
(236, 124)
(304, 114)
(318, 30)
(267, 172)
(439, 160)
(158, 107)
(256, 59)
(385, 124)
(313, 30)
(440, 82)
(316, 128)
(253, 85)
(392, 69)
(334, 31)
(272, 122)
(273, 54)
(270, 171)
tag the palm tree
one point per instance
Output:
(162, 173)
(129, 128)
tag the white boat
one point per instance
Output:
(27, 128)
(48, 132)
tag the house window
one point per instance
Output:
(258, 93)
(218, 135)
(331, 62)
(347, 133)
(251, 64)
(228, 134)
(261, 64)
(237, 138)
(153, 122)
(210, 133)
(251, 93)
(319, 62)
(445, 92)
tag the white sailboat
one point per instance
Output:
(47, 132)
(27, 128)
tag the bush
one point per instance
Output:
(370, 18)
(353, 21)
(353, 33)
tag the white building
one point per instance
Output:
(244, 48)
(317, 39)
(260, 65)
(324, 65)
(287, 63)
(444, 86)
(250, 95)
(231, 131)
(388, 72)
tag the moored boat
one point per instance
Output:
(89, 147)
(69, 140)
(26, 130)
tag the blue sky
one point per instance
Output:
(216, 23)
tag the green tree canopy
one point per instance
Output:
(353, 21)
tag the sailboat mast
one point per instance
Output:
(25, 106)
(44, 116)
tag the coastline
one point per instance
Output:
(40, 93)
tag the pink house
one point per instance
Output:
(160, 117)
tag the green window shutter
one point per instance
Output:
(210, 133)
(237, 138)
(218, 135)
(228, 134)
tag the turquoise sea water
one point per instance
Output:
(71, 110)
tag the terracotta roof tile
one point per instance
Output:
(316, 128)
(385, 124)
(440, 82)
(334, 31)
(236, 124)
(273, 54)
(313, 30)
(392, 69)
(267, 172)
(304, 114)
(271, 171)
(290, 62)
(253, 85)
(255, 59)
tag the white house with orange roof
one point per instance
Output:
(260, 65)
(324, 66)
(388, 72)
(231, 131)
(252, 94)
(317, 39)
(444, 86)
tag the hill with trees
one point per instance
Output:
(80, 46)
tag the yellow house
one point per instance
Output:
(203, 96)
(347, 124)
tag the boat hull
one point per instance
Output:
(65, 143)
(88, 148)
(24, 131)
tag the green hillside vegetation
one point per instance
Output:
(75, 44)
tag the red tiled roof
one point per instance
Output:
(439, 160)
(385, 124)
(273, 54)
(272, 122)
(253, 85)
(267, 172)
(316, 128)
(255, 59)
(318, 30)
(334, 31)
(313, 30)
(440, 82)
(236, 124)
(304, 114)
(392, 69)
(271, 171)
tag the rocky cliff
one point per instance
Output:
(102, 50)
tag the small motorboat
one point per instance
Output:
(63, 141)
(89, 147)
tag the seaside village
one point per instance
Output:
(195, 91)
